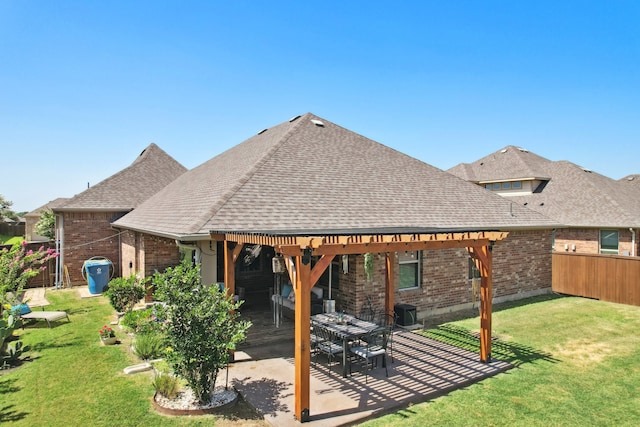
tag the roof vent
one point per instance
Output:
(504, 151)
(293, 119)
(631, 178)
(587, 170)
(317, 123)
(524, 150)
(262, 131)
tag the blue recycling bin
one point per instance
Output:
(97, 274)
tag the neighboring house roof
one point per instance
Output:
(573, 196)
(51, 205)
(308, 176)
(632, 181)
(125, 190)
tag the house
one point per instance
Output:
(598, 214)
(33, 217)
(84, 222)
(310, 177)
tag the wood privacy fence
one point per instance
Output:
(12, 229)
(604, 277)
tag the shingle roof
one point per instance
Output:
(309, 175)
(573, 196)
(53, 204)
(125, 190)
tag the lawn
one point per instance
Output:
(577, 363)
(10, 240)
(72, 380)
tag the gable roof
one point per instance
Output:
(51, 205)
(573, 196)
(152, 170)
(308, 176)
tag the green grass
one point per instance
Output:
(10, 240)
(577, 363)
(72, 380)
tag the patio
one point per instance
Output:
(422, 370)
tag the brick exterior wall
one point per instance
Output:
(587, 241)
(86, 235)
(521, 268)
(145, 254)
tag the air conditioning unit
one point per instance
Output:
(277, 264)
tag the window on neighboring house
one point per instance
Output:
(496, 186)
(409, 269)
(609, 242)
(516, 185)
(506, 186)
(488, 186)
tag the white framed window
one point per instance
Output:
(609, 240)
(409, 263)
(516, 185)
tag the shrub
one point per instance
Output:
(149, 345)
(18, 265)
(203, 326)
(124, 293)
(166, 384)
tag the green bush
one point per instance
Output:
(203, 326)
(150, 345)
(124, 293)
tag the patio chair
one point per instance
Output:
(374, 346)
(49, 316)
(368, 314)
(388, 321)
(327, 344)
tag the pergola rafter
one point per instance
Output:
(300, 248)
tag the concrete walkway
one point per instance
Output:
(423, 369)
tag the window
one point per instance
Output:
(609, 242)
(506, 186)
(409, 269)
(496, 186)
(516, 185)
(488, 186)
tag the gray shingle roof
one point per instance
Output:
(312, 176)
(125, 190)
(573, 196)
(53, 204)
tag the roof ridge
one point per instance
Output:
(202, 220)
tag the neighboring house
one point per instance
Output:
(308, 176)
(32, 218)
(597, 213)
(84, 222)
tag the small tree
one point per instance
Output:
(203, 326)
(46, 226)
(124, 293)
(5, 209)
(18, 265)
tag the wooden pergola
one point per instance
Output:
(299, 249)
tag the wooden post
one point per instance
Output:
(231, 253)
(389, 282)
(486, 301)
(302, 337)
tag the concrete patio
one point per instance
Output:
(422, 370)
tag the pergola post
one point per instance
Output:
(389, 283)
(231, 253)
(483, 257)
(302, 337)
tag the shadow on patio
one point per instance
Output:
(423, 369)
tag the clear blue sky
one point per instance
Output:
(85, 86)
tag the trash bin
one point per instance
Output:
(97, 274)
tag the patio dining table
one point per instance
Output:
(344, 327)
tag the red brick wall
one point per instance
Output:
(145, 254)
(521, 267)
(86, 235)
(587, 241)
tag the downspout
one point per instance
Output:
(59, 250)
(633, 241)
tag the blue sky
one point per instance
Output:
(85, 86)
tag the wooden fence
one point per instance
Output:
(8, 229)
(604, 277)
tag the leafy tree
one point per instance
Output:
(5, 209)
(18, 265)
(203, 326)
(46, 226)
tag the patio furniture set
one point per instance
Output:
(354, 339)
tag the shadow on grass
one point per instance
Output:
(511, 352)
(7, 412)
